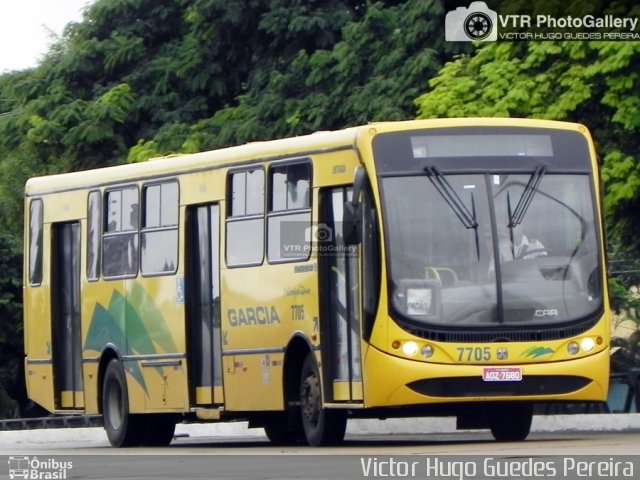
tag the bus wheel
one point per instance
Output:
(284, 428)
(511, 423)
(123, 429)
(321, 426)
(159, 429)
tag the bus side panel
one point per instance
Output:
(39, 366)
(145, 328)
(253, 382)
(263, 308)
(94, 299)
(90, 381)
(103, 327)
(37, 330)
(334, 168)
(155, 339)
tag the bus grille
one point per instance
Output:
(500, 333)
(476, 387)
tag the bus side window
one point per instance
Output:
(93, 235)
(35, 242)
(245, 218)
(120, 237)
(159, 234)
(289, 231)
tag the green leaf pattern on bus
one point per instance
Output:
(146, 325)
(135, 318)
(535, 352)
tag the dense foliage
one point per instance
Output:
(10, 326)
(140, 78)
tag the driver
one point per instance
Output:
(523, 247)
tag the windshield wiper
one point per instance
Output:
(449, 194)
(516, 217)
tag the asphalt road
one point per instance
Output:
(199, 453)
(464, 443)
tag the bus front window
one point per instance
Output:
(465, 251)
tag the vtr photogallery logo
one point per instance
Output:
(477, 22)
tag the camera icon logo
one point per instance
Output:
(474, 23)
(321, 233)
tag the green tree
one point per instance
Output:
(11, 325)
(136, 70)
(626, 304)
(371, 68)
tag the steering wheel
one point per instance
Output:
(534, 251)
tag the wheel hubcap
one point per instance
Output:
(311, 399)
(114, 405)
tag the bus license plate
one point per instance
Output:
(502, 374)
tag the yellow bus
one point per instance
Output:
(421, 268)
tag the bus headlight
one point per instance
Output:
(587, 344)
(426, 351)
(410, 349)
(573, 348)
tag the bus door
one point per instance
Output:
(203, 304)
(65, 311)
(340, 323)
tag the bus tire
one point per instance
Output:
(321, 426)
(159, 429)
(511, 423)
(123, 429)
(284, 428)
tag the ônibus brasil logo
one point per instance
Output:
(32, 468)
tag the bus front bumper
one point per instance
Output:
(394, 381)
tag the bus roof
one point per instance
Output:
(256, 151)
(177, 163)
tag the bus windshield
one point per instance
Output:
(491, 248)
